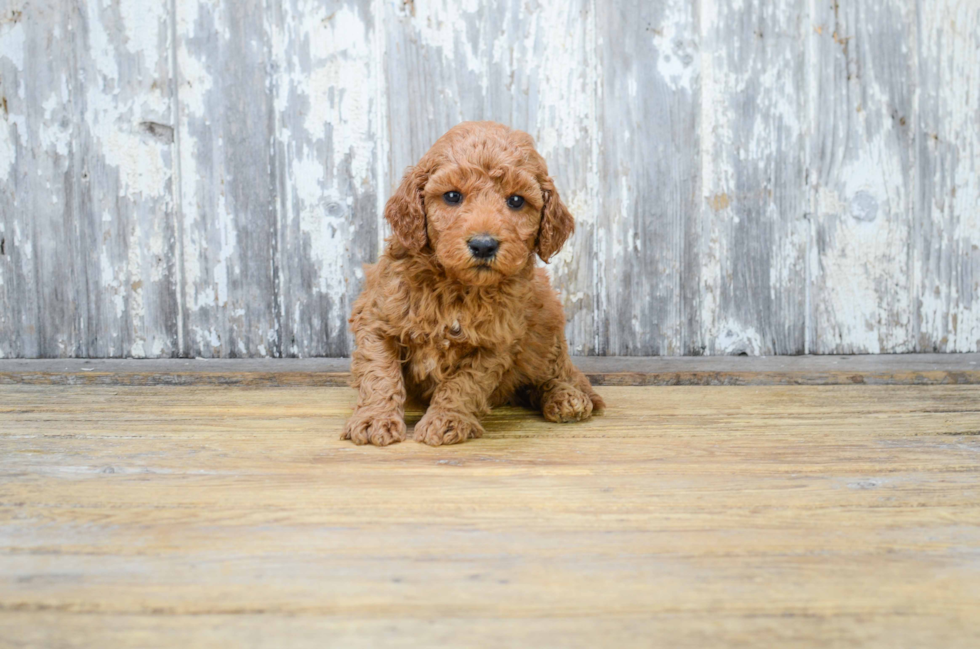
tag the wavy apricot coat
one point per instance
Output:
(458, 333)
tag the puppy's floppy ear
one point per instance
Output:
(557, 223)
(405, 210)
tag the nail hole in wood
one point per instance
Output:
(161, 132)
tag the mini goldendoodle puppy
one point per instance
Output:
(455, 312)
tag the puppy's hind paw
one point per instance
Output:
(380, 429)
(598, 403)
(565, 403)
(445, 427)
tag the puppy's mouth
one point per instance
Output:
(484, 271)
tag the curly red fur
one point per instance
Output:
(460, 333)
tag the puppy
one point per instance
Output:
(455, 312)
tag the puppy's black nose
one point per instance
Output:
(483, 246)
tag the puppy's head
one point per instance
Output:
(482, 200)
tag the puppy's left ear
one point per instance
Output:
(405, 210)
(557, 223)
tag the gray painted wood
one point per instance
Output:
(753, 174)
(861, 171)
(541, 78)
(228, 210)
(205, 178)
(946, 264)
(123, 213)
(327, 107)
(85, 157)
(39, 297)
(649, 241)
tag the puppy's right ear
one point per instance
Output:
(405, 210)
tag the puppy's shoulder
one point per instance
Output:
(541, 283)
(390, 284)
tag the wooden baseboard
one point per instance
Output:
(905, 369)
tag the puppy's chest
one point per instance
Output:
(437, 343)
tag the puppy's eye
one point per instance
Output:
(453, 198)
(515, 202)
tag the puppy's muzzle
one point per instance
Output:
(483, 247)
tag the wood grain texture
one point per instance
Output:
(862, 175)
(544, 59)
(946, 265)
(753, 174)
(228, 209)
(648, 250)
(327, 104)
(39, 285)
(712, 516)
(86, 243)
(124, 288)
(205, 177)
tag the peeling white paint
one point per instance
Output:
(735, 338)
(8, 154)
(111, 275)
(142, 23)
(864, 188)
(327, 61)
(206, 339)
(136, 306)
(12, 41)
(196, 83)
(676, 50)
(160, 348)
(54, 133)
(438, 25)
(339, 88)
(947, 257)
(227, 254)
(101, 49)
(863, 298)
(564, 92)
(141, 165)
(543, 66)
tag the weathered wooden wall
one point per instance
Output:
(205, 177)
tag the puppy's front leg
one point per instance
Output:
(460, 400)
(379, 416)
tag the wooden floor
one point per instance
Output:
(186, 516)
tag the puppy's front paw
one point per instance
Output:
(378, 428)
(566, 403)
(439, 427)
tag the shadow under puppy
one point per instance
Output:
(455, 312)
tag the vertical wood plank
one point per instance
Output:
(649, 177)
(542, 79)
(38, 298)
(861, 165)
(436, 64)
(530, 65)
(228, 228)
(327, 145)
(753, 177)
(123, 179)
(947, 215)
